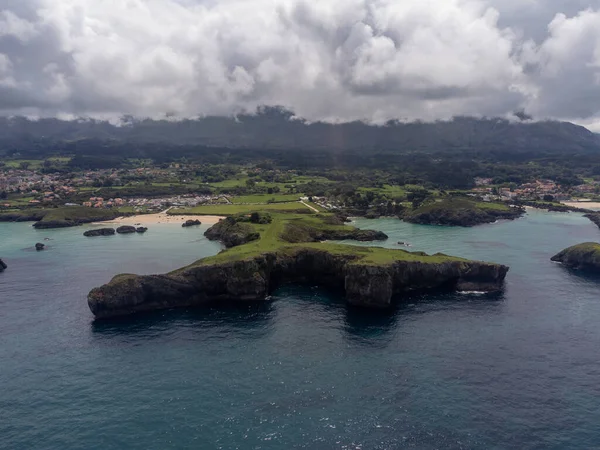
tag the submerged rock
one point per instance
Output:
(363, 284)
(584, 256)
(141, 230)
(3, 266)
(100, 232)
(39, 246)
(191, 223)
(126, 229)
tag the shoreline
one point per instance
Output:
(159, 218)
(584, 205)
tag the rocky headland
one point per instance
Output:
(584, 256)
(363, 283)
(260, 257)
(3, 266)
(461, 212)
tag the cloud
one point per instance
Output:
(332, 59)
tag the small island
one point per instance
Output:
(584, 256)
(265, 250)
(462, 212)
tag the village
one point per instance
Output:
(34, 187)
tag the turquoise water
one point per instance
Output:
(302, 371)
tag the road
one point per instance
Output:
(311, 207)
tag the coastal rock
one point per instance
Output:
(366, 285)
(3, 266)
(584, 256)
(231, 232)
(191, 223)
(141, 230)
(100, 232)
(461, 212)
(126, 229)
(594, 217)
(39, 246)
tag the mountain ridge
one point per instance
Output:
(278, 129)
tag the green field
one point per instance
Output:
(34, 164)
(492, 206)
(265, 198)
(229, 210)
(310, 179)
(230, 183)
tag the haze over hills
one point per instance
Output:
(276, 128)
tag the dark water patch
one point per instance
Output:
(229, 316)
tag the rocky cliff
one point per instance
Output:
(365, 284)
(584, 256)
(3, 266)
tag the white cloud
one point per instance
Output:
(331, 59)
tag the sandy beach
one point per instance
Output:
(585, 205)
(163, 217)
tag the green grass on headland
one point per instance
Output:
(229, 210)
(265, 198)
(275, 237)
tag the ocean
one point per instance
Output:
(303, 370)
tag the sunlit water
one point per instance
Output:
(302, 371)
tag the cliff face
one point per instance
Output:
(368, 285)
(582, 256)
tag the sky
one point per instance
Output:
(334, 60)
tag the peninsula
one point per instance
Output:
(266, 250)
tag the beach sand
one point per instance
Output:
(153, 219)
(584, 205)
